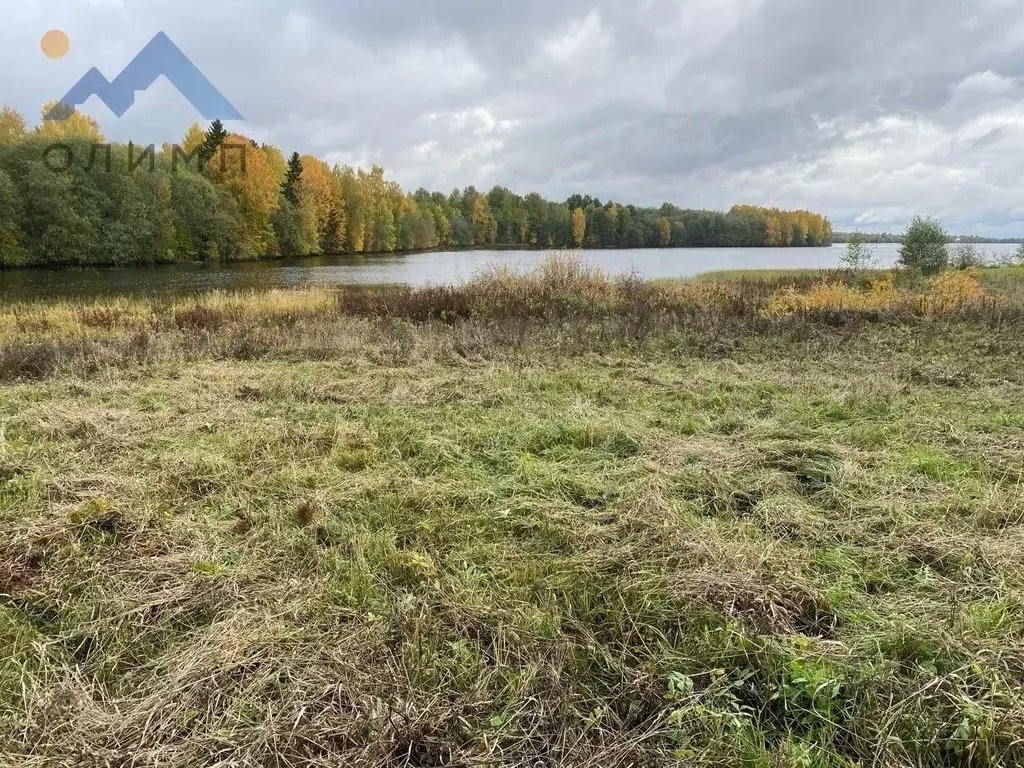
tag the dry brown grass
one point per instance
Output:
(564, 303)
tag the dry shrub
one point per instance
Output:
(563, 303)
(558, 273)
(104, 317)
(949, 293)
(953, 292)
(27, 360)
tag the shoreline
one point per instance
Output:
(385, 254)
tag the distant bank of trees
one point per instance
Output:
(888, 237)
(69, 198)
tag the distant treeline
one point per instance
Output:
(68, 198)
(886, 237)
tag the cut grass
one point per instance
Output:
(387, 543)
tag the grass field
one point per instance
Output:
(635, 527)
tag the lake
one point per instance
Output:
(411, 269)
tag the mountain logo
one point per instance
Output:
(160, 57)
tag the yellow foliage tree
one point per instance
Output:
(253, 179)
(786, 228)
(275, 158)
(75, 124)
(319, 203)
(485, 228)
(579, 227)
(193, 139)
(12, 125)
(664, 232)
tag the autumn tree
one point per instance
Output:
(12, 125)
(253, 201)
(254, 182)
(317, 197)
(193, 138)
(664, 232)
(579, 227)
(275, 159)
(62, 121)
(485, 228)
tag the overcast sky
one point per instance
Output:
(867, 110)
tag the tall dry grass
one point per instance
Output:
(563, 303)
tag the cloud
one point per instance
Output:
(869, 111)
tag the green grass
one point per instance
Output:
(1008, 281)
(770, 275)
(1010, 277)
(417, 545)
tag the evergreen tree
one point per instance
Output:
(292, 178)
(215, 136)
(330, 242)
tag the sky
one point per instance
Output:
(869, 111)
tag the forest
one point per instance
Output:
(67, 197)
(893, 238)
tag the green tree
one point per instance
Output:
(11, 212)
(208, 223)
(965, 256)
(331, 241)
(82, 214)
(799, 235)
(292, 178)
(537, 213)
(858, 254)
(559, 226)
(925, 246)
(462, 231)
(680, 237)
(287, 223)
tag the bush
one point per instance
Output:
(858, 254)
(925, 246)
(966, 256)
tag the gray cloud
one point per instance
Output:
(867, 110)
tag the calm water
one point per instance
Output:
(415, 269)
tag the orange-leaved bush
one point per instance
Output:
(948, 293)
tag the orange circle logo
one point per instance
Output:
(55, 44)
